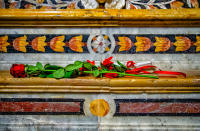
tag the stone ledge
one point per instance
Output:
(8, 84)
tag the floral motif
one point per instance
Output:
(125, 43)
(100, 44)
(39, 1)
(182, 43)
(43, 4)
(162, 44)
(4, 43)
(142, 44)
(57, 43)
(114, 4)
(193, 3)
(38, 43)
(157, 4)
(176, 5)
(197, 44)
(90, 4)
(109, 4)
(76, 44)
(20, 43)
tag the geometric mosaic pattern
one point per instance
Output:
(85, 43)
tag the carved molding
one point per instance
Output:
(100, 18)
(98, 85)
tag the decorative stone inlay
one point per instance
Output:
(157, 107)
(41, 106)
(101, 43)
(99, 107)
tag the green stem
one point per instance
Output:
(125, 74)
(34, 71)
(49, 70)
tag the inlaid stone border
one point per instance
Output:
(41, 106)
(100, 43)
(157, 107)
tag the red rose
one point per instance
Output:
(18, 71)
(91, 62)
(110, 75)
(81, 69)
(107, 63)
(110, 68)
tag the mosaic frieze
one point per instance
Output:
(157, 44)
(100, 44)
(94, 4)
(43, 43)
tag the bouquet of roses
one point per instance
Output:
(82, 68)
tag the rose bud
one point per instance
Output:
(18, 71)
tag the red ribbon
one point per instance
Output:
(170, 72)
(140, 69)
(130, 64)
(146, 72)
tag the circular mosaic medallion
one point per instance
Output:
(101, 44)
